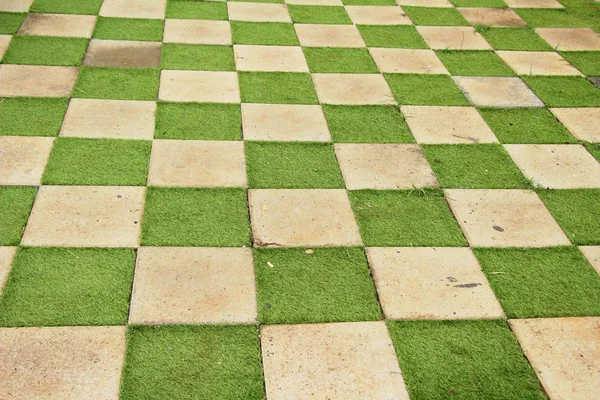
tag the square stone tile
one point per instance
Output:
(538, 63)
(378, 15)
(583, 123)
(407, 61)
(504, 218)
(592, 253)
(117, 119)
(431, 283)
(556, 166)
(284, 122)
(258, 12)
(199, 86)
(384, 166)
(7, 253)
(453, 38)
(447, 125)
(425, 3)
(533, 4)
(354, 360)
(352, 89)
(270, 58)
(23, 159)
(321, 35)
(504, 17)
(153, 9)
(15, 5)
(63, 25)
(122, 54)
(500, 92)
(85, 216)
(4, 42)
(302, 217)
(570, 39)
(564, 352)
(36, 81)
(193, 285)
(197, 32)
(196, 163)
(67, 362)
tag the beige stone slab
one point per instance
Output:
(193, 285)
(504, 218)
(122, 54)
(199, 86)
(153, 9)
(258, 12)
(592, 253)
(533, 4)
(447, 125)
(384, 166)
(407, 61)
(284, 122)
(570, 39)
(15, 5)
(64, 25)
(354, 360)
(538, 63)
(425, 3)
(378, 15)
(453, 38)
(354, 89)
(23, 159)
(556, 166)
(302, 217)
(315, 2)
(85, 216)
(36, 81)
(197, 32)
(500, 92)
(269, 58)
(583, 123)
(565, 354)
(321, 35)
(116, 119)
(432, 283)
(7, 253)
(197, 163)
(4, 42)
(67, 363)
(504, 17)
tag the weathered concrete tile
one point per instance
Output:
(497, 92)
(270, 58)
(352, 89)
(153, 9)
(453, 38)
(36, 81)
(15, 5)
(7, 253)
(504, 17)
(533, 4)
(199, 86)
(592, 253)
(378, 15)
(23, 159)
(122, 54)
(537, 63)
(583, 123)
(258, 12)
(425, 3)
(197, 32)
(322, 35)
(407, 61)
(315, 2)
(4, 42)
(63, 25)
(570, 39)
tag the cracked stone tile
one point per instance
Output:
(592, 253)
(407, 61)
(583, 123)
(197, 32)
(453, 38)
(570, 39)
(199, 86)
(322, 35)
(36, 81)
(152, 9)
(270, 58)
(352, 89)
(7, 253)
(497, 92)
(122, 54)
(258, 12)
(538, 63)
(23, 159)
(499, 17)
(378, 15)
(15, 5)
(62, 25)
(533, 4)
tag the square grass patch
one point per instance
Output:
(479, 3)
(549, 18)
(329, 285)
(396, 36)
(435, 16)
(277, 88)
(195, 217)
(15, 206)
(331, 59)
(302, 14)
(425, 90)
(31, 116)
(474, 63)
(474, 166)
(68, 286)
(198, 121)
(275, 33)
(587, 62)
(41, 50)
(542, 282)
(192, 362)
(564, 91)
(405, 218)
(292, 165)
(518, 39)
(117, 83)
(206, 10)
(91, 7)
(10, 22)
(463, 360)
(197, 57)
(129, 29)
(77, 161)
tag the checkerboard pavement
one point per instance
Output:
(335, 199)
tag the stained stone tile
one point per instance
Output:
(284, 122)
(384, 166)
(152, 9)
(270, 58)
(492, 17)
(592, 253)
(407, 61)
(23, 159)
(425, 3)
(63, 25)
(197, 32)
(7, 253)
(195, 163)
(352, 89)
(583, 123)
(342, 361)
(378, 15)
(258, 12)
(453, 38)
(564, 353)
(122, 54)
(199, 86)
(537, 63)
(504, 218)
(497, 92)
(15, 5)
(4, 42)
(570, 39)
(595, 80)
(193, 285)
(533, 4)
(36, 81)
(556, 166)
(432, 283)
(67, 363)
(302, 217)
(85, 216)
(451, 125)
(118, 119)
(321, 35)
(315, 2)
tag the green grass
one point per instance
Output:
(277, 88)
(330, 285)
(399, 36)
(77, 161)
(91, 7)
(542, 282)
(523, 39)
(587, 62)
(195, 217)
(474, 63)
(191, 56)
(405, 218)
(318, 14)
(564, 91)
(192, 362)
(183, 9)
(369, 2)
(284, 165)
(22, 116)
(426, 90)
(276, 33)
(594, 149)
(435, 16)
(463, 360)
(129, 29)
(351, 60)
(479, 3)
(40, 50)
(68, 286)
(10, 22)
(15, 206)
(117, 83)
(198, 121)
(474, 166)
(548, 18)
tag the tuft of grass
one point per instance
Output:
(197, 57)
(426, 90)
(206, 10)
(302, 14)
(350, 60)
(41, 50)
(277, 88)
(474, 63)
(564, 91)
(198, 121)
(128, 29)
(479, 3)
(430, 16)
(523, 39)
(587, 62)
(91, 7)
(117, 83)
(275, 33)
(398, 36)
(550, 18)
(31, 116)
(15, 206)
(10, 22)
